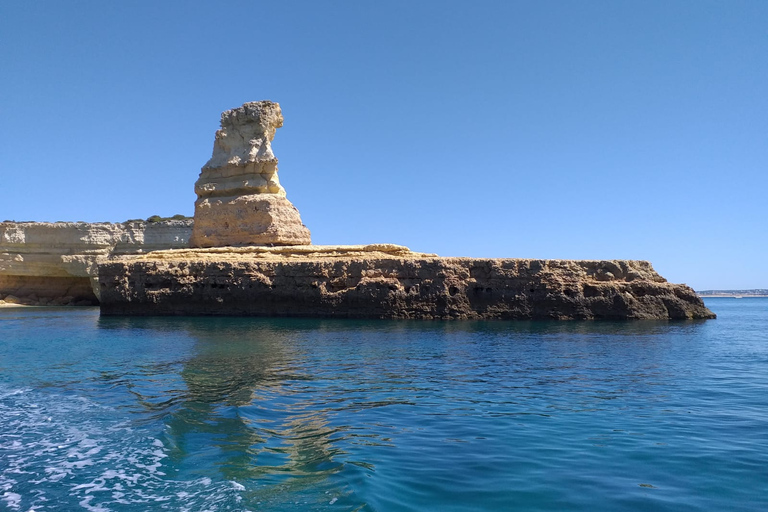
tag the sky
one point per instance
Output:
(555, 129)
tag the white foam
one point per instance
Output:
(87, 443)
(13, 392)
(12, 499)
(89, 454)
(86, 504)
(55, 474)
(80, 464)
(83, 486)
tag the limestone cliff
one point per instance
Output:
(387, 282)
(56, 263)
(239, 197)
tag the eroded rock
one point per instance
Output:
(392, 284)
(239, 197)
(52, 260)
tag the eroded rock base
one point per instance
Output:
(381, 284)
(257, 219)
(47, 291)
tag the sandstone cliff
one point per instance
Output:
(387, 282)
(56, 263)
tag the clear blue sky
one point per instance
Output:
(589, 129)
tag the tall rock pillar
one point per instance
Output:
(239, 197)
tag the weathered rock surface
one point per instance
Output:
(261, 219)
(46, 263)
(388, 282)
(239, 197)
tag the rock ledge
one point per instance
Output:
(384, 281)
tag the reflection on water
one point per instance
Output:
(270, 414)
(234, 370)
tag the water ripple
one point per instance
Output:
(253, 414)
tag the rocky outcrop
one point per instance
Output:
(388, 282)
(250, 254)
(56, 263)
(239, 197)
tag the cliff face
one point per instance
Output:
(387, 283)
(56, 263)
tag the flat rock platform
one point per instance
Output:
(386, 281)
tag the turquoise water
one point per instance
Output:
(134, 414)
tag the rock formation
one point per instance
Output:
(55, 263)
(239, 198)
(387, 281)
(251, 255)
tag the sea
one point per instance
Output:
(254, 414)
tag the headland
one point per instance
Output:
(248, 253)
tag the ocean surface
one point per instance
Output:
(228, 414)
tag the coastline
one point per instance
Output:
(10, 305)
(387, 282)
(731, 296)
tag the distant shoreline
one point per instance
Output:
(745, 292)
(729, 295)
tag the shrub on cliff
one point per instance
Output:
(157, 218)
